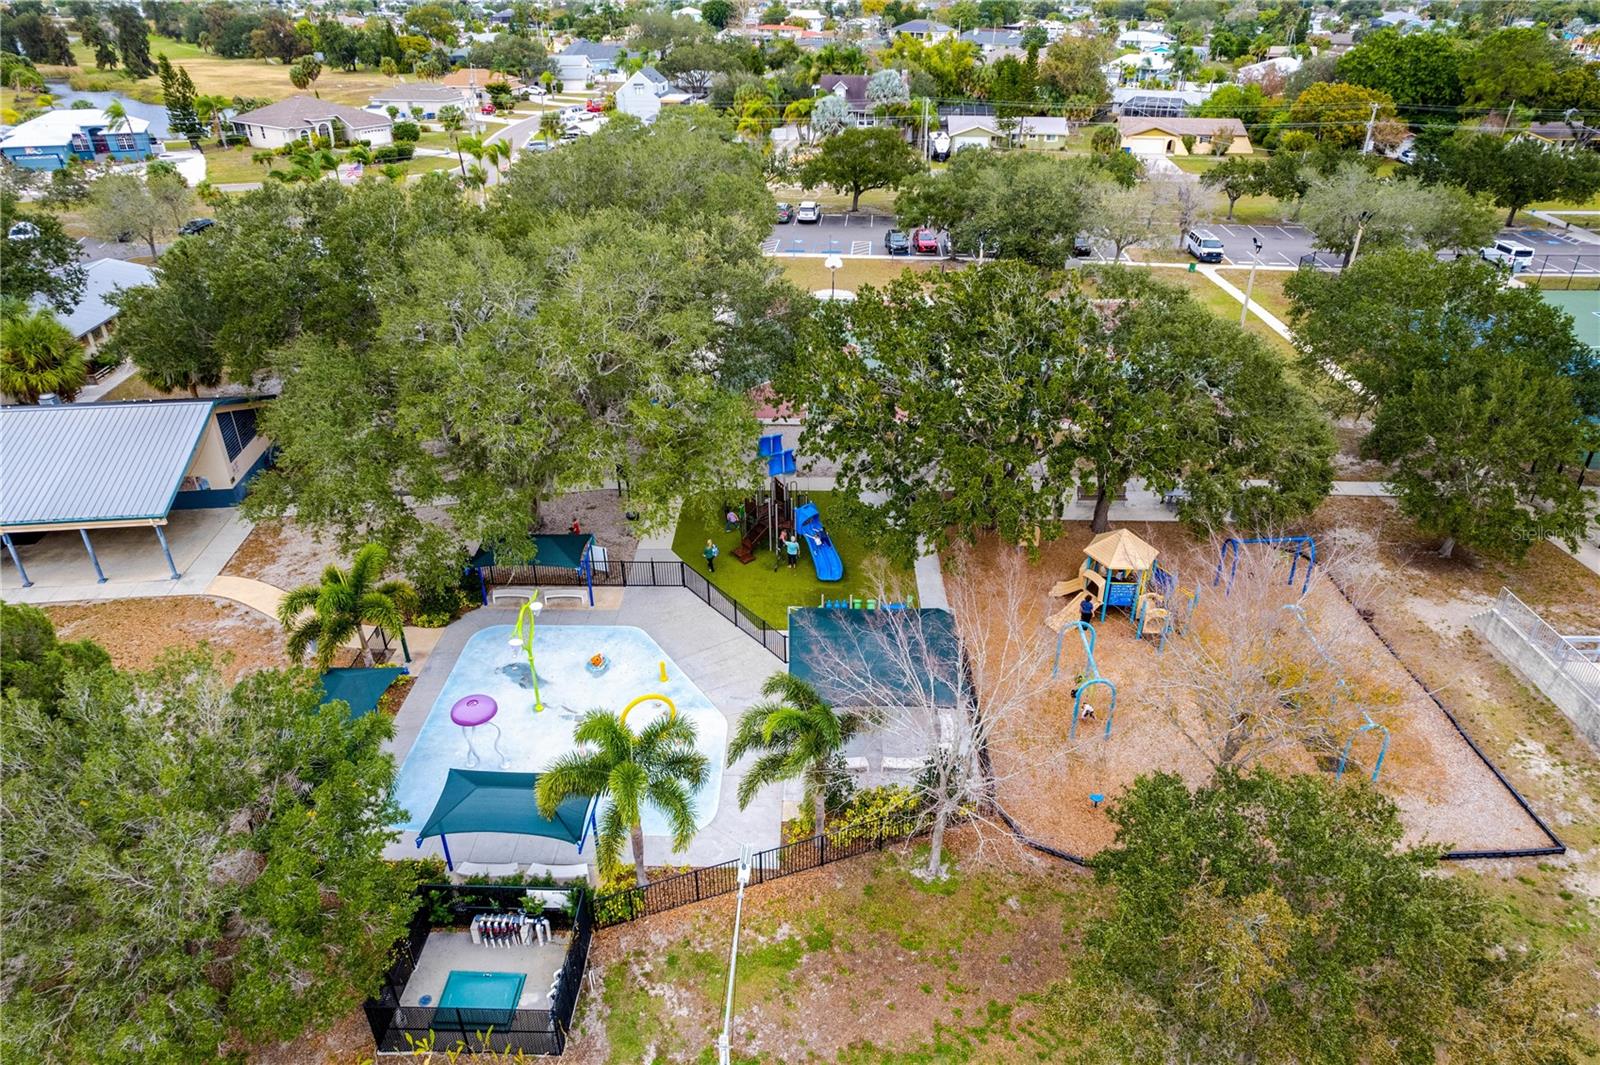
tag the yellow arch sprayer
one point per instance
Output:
(522, 636)
(672, 708)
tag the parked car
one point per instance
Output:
(1082, 246)
(809, 211)
(939, 146)
(785, 213)
(196, 225)
(925, 241)
(536, 145)
(595, 106)
(486, 109)
(1510, 254)
(23, 230)
(1203, 245)
(536, 90)
(896, 243)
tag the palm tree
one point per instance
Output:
(344, 604)
(797, 734)
(116, 116)
(38, 355)
(550, 124)
(210, 109)
(657, 765)
(470, 146)
(477, 178)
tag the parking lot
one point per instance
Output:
(860, 235)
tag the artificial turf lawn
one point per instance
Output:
(768, 593)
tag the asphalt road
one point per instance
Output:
(1281, 245)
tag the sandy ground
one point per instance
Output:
(601, 513)
(137, 631)
(282, 554)
(1445, 793)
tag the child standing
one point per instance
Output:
(711, 553)
(791, 547)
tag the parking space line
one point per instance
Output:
(770, 247)
(1286, 234)
(861, 247)
(1286, 260)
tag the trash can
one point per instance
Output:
(1191, 268)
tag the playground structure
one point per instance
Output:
(1304, 547)
(1090, 677)
(824, 556)
(762, 517)
(1120, 570)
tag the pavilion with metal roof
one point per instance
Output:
(95, 466)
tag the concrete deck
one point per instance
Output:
(202, 541)
(724, 663)
(447, 952)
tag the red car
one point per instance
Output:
(594, 107)
(487, 109)
(925, 242)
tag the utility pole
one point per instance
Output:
(725, 1039)
(1250, 284)
(1366, 146)
(927, 149)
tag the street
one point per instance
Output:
(1282, 246)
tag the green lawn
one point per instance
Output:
(766, 592)
(809, 273)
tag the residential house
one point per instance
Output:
(503, 17)
(1267, 71)
(1164, 136)
(55, 137)
(993, 44)
(809, 17)
(923, 30)
(686, 12)
(411, 98)
(581, 62)
(853, 87)
(91, 319)
(988, 131)
(640, 96)
(473, 83)
(1565, 136)
(1138, 101)
(1145, 40)
(304, 117)
(1404, 21)
(1138, 67)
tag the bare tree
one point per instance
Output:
(1257, 668)
(939, 685)
(1126, 218)
(1181, 202)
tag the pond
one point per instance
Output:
(155, 114)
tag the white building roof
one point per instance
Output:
(57, 127)
(102, 277)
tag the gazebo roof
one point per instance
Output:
(1121, 549)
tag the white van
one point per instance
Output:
(1508, 253)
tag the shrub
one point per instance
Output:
(871, 806)
(407, 132)
(393, 153)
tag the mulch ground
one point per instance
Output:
(136, 632)
(1445, 793)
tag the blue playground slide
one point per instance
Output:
(824, 558)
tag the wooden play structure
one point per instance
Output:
(1120, 570)
(762, 517)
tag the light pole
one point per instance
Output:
(1361, 227)
(526, 619)
(833, 263)
(1250, 284)
(725, 1037)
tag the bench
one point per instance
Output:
(523, 594)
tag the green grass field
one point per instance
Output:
(768, 592)
(809, 274)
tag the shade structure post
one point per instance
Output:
(167, 552)
(100, 574)
(16, 559)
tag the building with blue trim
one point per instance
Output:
(55, 137)
(83, 467)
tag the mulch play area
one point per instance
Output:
(1446, 794)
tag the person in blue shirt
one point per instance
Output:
(791, 547)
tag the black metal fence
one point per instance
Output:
(708, 882)
(651, 573)
(401, 1029)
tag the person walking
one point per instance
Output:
(711, 553)
(791, 547)
(730, 519)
